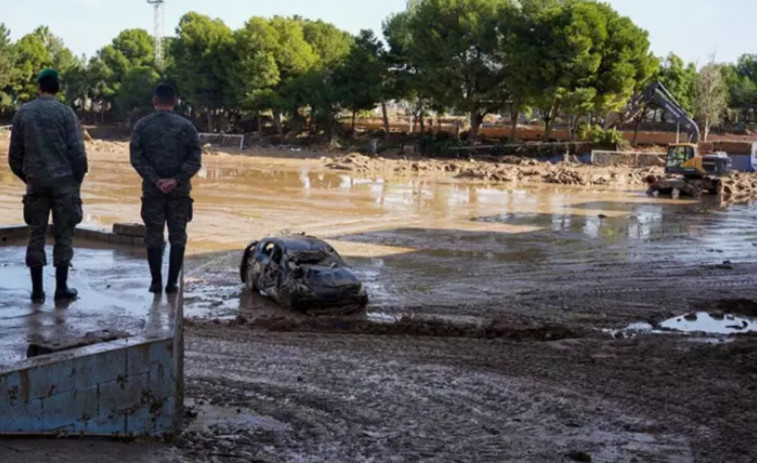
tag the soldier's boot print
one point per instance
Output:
(174, 268)
(38, 289)
(155, 260)
(62, 291)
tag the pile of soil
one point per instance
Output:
(561, 174)
(355, 162)
(106, 146)
(507, 169)
(739, 186)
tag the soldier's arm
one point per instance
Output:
(138, 159)
(77, 154)
(193, 161)
(16, 151)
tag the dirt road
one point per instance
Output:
(492, 333)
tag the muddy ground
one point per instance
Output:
(495, 330)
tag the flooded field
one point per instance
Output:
(551, 272)
(430, 245)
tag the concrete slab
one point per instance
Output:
(113, 296)
(125, 377)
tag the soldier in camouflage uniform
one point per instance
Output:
(47, 154)
(166, 152)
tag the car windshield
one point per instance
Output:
(314, 257)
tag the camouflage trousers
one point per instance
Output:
(64, 201)
(159, 210)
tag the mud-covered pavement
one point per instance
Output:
(492, 332)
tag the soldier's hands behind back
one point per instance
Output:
(167, 185)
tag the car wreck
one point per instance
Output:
(302, 273)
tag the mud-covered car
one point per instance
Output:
(302, 273)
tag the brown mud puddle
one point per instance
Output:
(436, 247)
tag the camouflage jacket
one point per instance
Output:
(46, 143)
(165, 145)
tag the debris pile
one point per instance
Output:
(739, 186)
(506, 169)
(106, 146)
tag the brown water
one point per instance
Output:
(429, 243)
(240, 198)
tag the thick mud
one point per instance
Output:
(490, 331)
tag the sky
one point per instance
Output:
(693, 29)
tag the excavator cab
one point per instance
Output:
(684, 159)
(678, 156)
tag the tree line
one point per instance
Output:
(569, 61)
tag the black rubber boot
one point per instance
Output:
(155, 259)
(62, 291)
(38, 288)
(174, 269)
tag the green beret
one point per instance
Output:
(47, 73)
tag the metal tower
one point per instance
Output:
(157, 28)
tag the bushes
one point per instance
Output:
(609, 139)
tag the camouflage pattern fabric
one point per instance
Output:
(163, 146)
(47, 153)
(46, 143)
(159, 210)
(64, 201)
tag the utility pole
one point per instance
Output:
(157, 28)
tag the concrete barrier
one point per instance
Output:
(126, 387)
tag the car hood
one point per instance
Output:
(318, 276)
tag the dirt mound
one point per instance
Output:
(744, 307)
(410, 326)
(355, 162)
(106, 146)
(505, 169)
(738, 186)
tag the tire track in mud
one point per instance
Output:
(352, 398)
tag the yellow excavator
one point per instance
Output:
(687, 169)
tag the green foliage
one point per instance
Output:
(329, 43)
(741, 80)
(202, 62)
(600, 137)
(135, 93)
(7, 60)
(452, 52)
(680, 78)
(359, 79)
(31, 57)
(573, 60)
(711, 97)
(582, 56)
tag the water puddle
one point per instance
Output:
(219, 419)
(710, 323)
(701, 322)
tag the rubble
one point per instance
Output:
(506, 169)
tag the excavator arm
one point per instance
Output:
(659, 95)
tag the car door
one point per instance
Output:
(270, 259)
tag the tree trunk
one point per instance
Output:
(423, 124)
(277, 122)
(572, 119)
(354, 116)
(475, 123)
(547, 128)
(706, 128)
(386, 118)
(639, 119)
(210, 121)
(514, 112)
